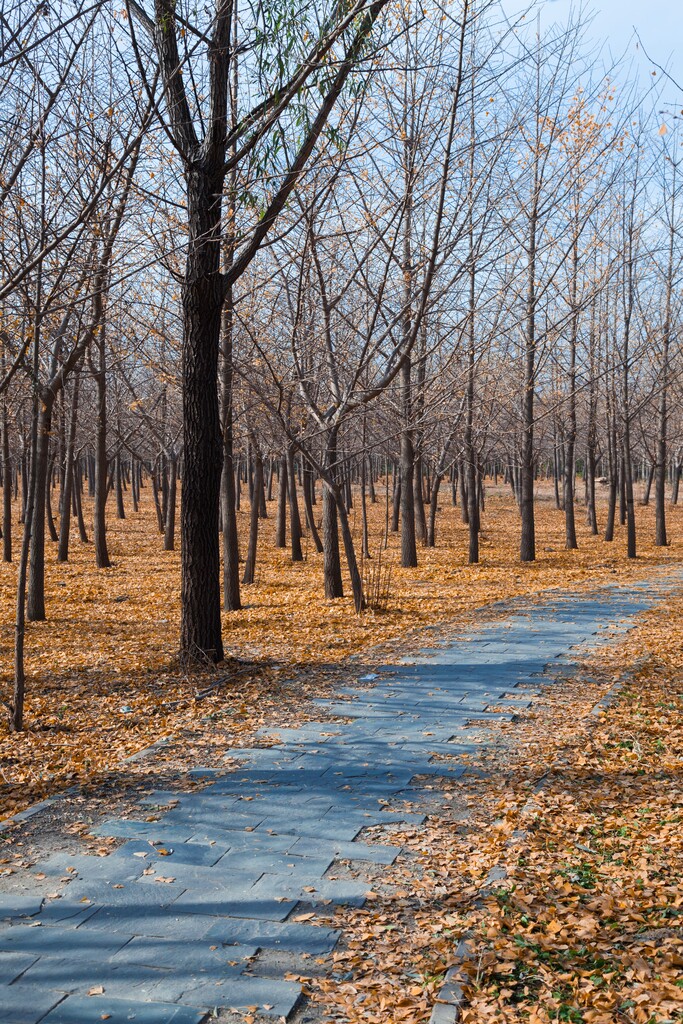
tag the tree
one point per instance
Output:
(201, 135)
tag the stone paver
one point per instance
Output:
(241, 855)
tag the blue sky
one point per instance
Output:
(659, 23)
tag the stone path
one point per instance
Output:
(173, 924)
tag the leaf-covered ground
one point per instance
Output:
(561, 864)
(103, 680)
(582, 811)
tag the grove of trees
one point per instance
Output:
(339, 251)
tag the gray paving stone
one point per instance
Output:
(56, 912)
(91, 1010)
(199, 955)
(232, 904)
(78, 977)
(130, 894)
(132, 828)
(314, 827)
(195, 853)
(272, 997)
(249, 841)
(15, 1008)
(14, 964)
(19, 905)
(379, 854)
(363, 819)
(289, 935)
(283, 863)
(226, 820)
(349, 893)
(189, 876)
(147, 921)
(76, 943)
(101, 868)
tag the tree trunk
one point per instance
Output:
(396, 500)
(556, 467)
(372, 494)
(628, 495)
(663, 411)
(118, 481)
(99, 522)
(254, 516)
(364, 508)
(135, 485)
(308, 492)
(271, 474)
(17, 711)
(231, 576)
(281, 514)
(462, 487)
(78, 501)
(527, 547)
(408, 543)
(418, 502)
(49, 518)
(331, 561)
(356, 581)
(16, 722)
(35, 605)
(6, 490)
(157, 502)
(648, 485)
(433, 506)
(678, 469)
(68, 493)
(203, 295)
(294, 517)
(473, 512)
(262, 506)
(591, 505)
(169, 526)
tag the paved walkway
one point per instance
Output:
(171, 926)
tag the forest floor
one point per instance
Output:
(103, 681)
(549, 886)
(557, 855)
(580, 814)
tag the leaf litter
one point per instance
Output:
(583, 924)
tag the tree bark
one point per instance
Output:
(294, 517)
(35, 604)
(281, 514)
(67, 495)
(169, 526)
(433, 506)
(396, 500)
(6, 489)
(254, 516)
(78, 502)
(331, 561)
(418, 501)
(118, 482)
(203, 297)
(102, 560)
(49, 518)
(678, 469)
(308, 492)
(356, 581)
